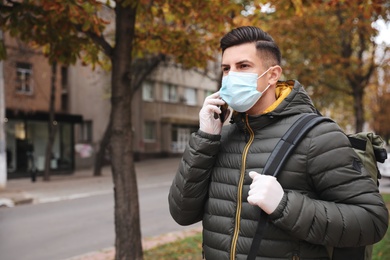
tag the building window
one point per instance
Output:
(150, 131)
(24, 78)
(180, 137)
(85, 134)
(190, 96)
(64, 79)
(170, 93)
(147, 91)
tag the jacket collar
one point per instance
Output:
(292, 99)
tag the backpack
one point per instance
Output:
(369, 148)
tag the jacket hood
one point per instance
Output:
(296, 102)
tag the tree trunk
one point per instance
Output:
(358, 95)
(127, 218)
(100, 155)
(52, 125)
(140, 70)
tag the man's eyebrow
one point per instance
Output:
(237, 63)
(243, 61)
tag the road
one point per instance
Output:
(59, 230)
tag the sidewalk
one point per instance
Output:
(60, 187)
(80, 184)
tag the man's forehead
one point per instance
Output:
(240, 53)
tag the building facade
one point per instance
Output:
(28, 78)
(164, 111)
(171, 100)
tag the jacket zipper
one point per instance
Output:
(239, 191)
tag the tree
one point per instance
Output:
(141, 68)
(379, 100)
(184, 31)
(329, 46)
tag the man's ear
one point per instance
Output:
(276, 73)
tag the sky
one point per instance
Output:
(384, 32)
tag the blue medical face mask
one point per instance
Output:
(239, 90)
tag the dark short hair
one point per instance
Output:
(265, 44)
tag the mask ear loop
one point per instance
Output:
(265, 89)
(264, 73)
(268, 84)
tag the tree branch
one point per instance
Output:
(330, 86)
(98, 39)
(142, 68)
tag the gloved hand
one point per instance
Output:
(207, 122)
(265, 192)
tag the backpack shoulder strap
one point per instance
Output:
(289, 141)
(276, 161)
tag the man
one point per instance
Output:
(322, 198)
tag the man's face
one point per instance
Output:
(244, 58)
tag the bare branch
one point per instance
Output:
(99, 40)
(142, 68)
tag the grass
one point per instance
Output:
(382, 249)
(190, 248)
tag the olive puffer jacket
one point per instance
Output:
(329, 201)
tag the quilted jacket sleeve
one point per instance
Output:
(189, 188)
(348, 210)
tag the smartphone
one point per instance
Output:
(224, 111)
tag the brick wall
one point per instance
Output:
(18, 54)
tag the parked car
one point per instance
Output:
(384, 168)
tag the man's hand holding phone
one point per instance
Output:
(208, 122)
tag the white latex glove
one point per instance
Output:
(207, 122)
(265, 192)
